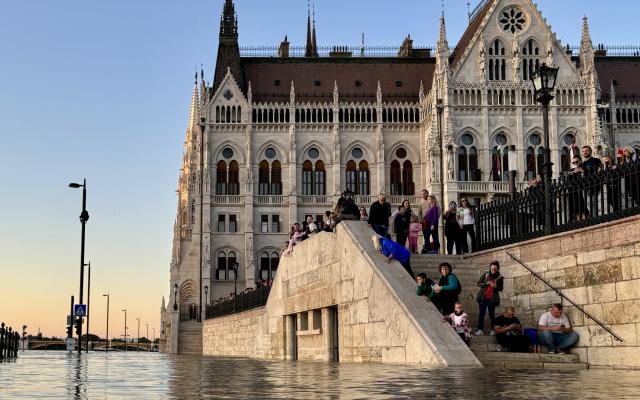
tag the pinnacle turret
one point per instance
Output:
(229, 22)
(311, 49)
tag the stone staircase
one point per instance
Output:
(190, 338)
(484, 347)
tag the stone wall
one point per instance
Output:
(599, 269)
(336, 298)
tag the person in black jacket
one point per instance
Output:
(379, 214)
(401, 222)
(452, 230)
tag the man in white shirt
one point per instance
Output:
(555, 332)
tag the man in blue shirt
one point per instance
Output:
(394, 251)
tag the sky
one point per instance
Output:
(101, 90)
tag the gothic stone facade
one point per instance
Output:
(274, 139)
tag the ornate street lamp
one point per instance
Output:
(206, 294)
(544, 82)
(235, 266)
(175, 297)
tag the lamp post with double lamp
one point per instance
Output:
(125, 329)
(84, 217)
(107, 296)
(544, 82)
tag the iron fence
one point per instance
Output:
(190, 312)
(577, 201)
(241, 302)
(8, 342)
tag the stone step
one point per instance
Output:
(527, 360)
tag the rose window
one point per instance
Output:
(512, 20)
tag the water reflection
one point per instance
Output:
(42, 375)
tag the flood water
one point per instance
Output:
(59, 375)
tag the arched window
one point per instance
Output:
(396, 178)
(408, 187)
(268, 264)
(534, 157)
(276, 178)
(263, 178)
(319, 184)
(352, 176)
(221, 178)
(363, 178)
(569, 150)
(468, 159)
(234, 178)
(226, 268)
(497, 61)
(307, 178)
(530, 60)
(500, 158)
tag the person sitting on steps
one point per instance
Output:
(445, 293)
(425, 285)
(555, 332)
(459, 321)
(509, 333)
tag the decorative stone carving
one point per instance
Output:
(550, 41)
(515, 49)
(450, 165)
(249, 256)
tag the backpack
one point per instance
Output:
(459, 289)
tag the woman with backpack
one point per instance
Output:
(490, 283)
(445, 292)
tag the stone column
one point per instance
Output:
(175, 328)
(290, 333)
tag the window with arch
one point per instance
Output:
(568, 151)
(497, 61)
(468, 159)
(269, 264)
(227, 175)
(269, 177)
(226, 268)
(500, 158)
(534, 158)
(530, 60)
(357, 174)
(401, 174)
(313, 178)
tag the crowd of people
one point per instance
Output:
(553, 331)
(259, 284)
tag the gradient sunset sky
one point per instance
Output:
(101, 90)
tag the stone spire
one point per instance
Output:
(194, 112)
(335, 92)
(309, 47)
(379, 93)
(229, 22)
(586, 48)
(314, 44)
(421, 92)
(442, 48)
(228, 49)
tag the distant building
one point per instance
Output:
(282, 131)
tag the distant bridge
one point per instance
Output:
(115, 346)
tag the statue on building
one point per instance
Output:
(450, 165)
(515, 49)
(550, 49)
(250, 262)
(482, 59)
(433, 169)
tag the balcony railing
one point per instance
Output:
(487, 186)
(241, 302)
(227, 199)
(315, 200)
(270, 200)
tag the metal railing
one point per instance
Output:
(190, 312)
(559, 293)
(239, 303)
(577, 201)
(9, 341)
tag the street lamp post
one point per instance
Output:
(153, 344)
(206, 295)
(138, 336)
(84, 217)
(125, 329)
(107, 296)
(544, 82)
(147, 337)
(235, 266)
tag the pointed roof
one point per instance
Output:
(309, 47)
(194, 112)
(314, 45)
(229, 22)
(586, 35)
(468, 34)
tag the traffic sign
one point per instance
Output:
(79, 310)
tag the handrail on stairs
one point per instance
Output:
(559, 293)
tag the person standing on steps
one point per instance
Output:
(424, 194)
(555, 332)
(467, 221)
(445, 293)
(452, 230)
(414, 230)
(401, 222)
(379, 214)
(490, 284)
(431, 219)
